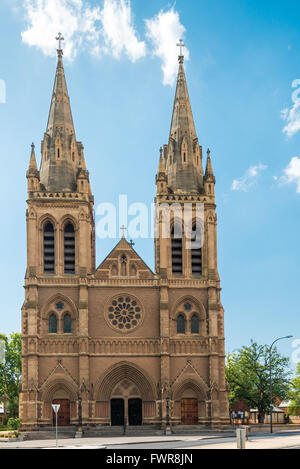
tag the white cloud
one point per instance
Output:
(248, 179)
(292, 115)
(108, 30)
(74, 18)
(291, 173)
(118, 31)
(164, 31)
(105, 29)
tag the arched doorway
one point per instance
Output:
(135, 412)
(126, 404)
(63, 416)
(134, 387)
(117, 412)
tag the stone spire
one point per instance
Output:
(32, 168)
(184, 161)
(209, 174)
(33, 175)
(61, 152)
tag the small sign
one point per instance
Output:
(56, 407)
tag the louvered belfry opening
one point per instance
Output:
(49, 249)
(176, 250)
(69, 249)
(196, 254)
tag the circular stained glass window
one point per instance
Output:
(124, 313)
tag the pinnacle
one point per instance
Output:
(209, 169)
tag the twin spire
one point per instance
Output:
(183, 154)
(63, 159)
(62, 156)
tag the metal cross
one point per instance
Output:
(59, 38)
(132, 243)
(123, 229)
(181, 45)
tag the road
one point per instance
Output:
(288, 440)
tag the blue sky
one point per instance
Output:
(243, 57)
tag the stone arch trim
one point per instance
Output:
(73, 310)
(65, 219)
(59, 382)
(116, 373)
(45, 218)
(196, 385)
(185, 299)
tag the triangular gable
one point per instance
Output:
(61, 370)
(123, 261)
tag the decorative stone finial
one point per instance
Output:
(181, 45)
(123, 229)
(60, 38)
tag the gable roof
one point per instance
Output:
(123, 247)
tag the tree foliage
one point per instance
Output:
(248, 377)
(10, 372)
(294, 394)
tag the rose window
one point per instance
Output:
(124, 313)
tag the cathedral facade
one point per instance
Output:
(119, 344)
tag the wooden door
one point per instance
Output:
(189, 411)
(63, 416)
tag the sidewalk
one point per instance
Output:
(264, 442)
(107, 442)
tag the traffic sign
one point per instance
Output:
(55, 407)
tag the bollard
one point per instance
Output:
(241, 438)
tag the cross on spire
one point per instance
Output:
(181, 45)
(60, 38)
(123, 229)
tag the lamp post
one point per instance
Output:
(79, 414)
(168, 428)
(271, 383)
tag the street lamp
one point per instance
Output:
(79, 414)
(271, 383)
(168, 414)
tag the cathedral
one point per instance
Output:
(117, 344)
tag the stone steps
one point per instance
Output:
(198, 429)
(48, 433)
(148, 430)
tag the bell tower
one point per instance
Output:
(186, 255)
(60, 237)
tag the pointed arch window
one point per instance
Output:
(196, 254)
(123, 261)
(67, 324)
(49, 249)
(53, 324)
(180, 324)
(195, 324)
(69, 249)
(176, 242)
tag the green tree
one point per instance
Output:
(248, 377)
(294, 394)
(10, 372)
